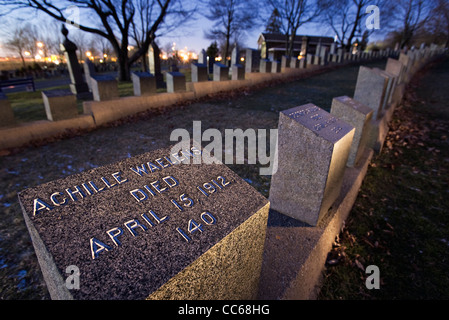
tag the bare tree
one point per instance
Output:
(346, 18)
(413, 14)
(231, 19)
(294, 14)
(114, 19)
(18, 42)
(439, 24)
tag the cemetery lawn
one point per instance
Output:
(400, 220)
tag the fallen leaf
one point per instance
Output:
(359, 265)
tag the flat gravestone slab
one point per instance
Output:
(149, 227)
(358, 115)
(313, 149)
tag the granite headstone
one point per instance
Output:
(370, 89)
(358, 115)
(154, 226)
(313, 151)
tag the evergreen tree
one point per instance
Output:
(274, 24)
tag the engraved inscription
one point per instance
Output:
(322, 125)
(141, 223)
(303, 112)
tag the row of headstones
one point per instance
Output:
(209, 243)
(323, 57)
(61, 104)
(314, 164)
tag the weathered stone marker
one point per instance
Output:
(104, 87)
(358, 115)
(313, 151)
(199, 72)
(176, 82)
(144, 83)
(221, 72)
(59, 104)
(370, 89)
(265, 66)
(150, 226)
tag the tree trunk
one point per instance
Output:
(23, 60)
(123, 67)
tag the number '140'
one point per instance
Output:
(193, 226)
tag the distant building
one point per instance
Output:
(273, 45)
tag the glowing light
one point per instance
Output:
(89, 54)
(27, 53)
(41, 52)
(218, 58)
(38, 57)
(105, 56)
(40, 44)
(242, 59)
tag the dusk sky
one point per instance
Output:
(190, 35)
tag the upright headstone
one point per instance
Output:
(252, 60)
(370, 89)
(237, 72)
(235, 56)
(89, 70)
(309, 59)
(152, 226)
(221, 72)
(324, 55)
(333, 48)
(155, 64)
(406, 62)
(294, 63)
(144, 83)
(176, 82)
(318, 48)
(286, 62)
(358, 115)
(59, 104)
(275, 66)
(313, 151)
(202, 58)
(6, 112)
(199, 72)
(78, 86)
(265, 66)
(390, 86)
(104, 87)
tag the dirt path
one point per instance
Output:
(400, 221)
